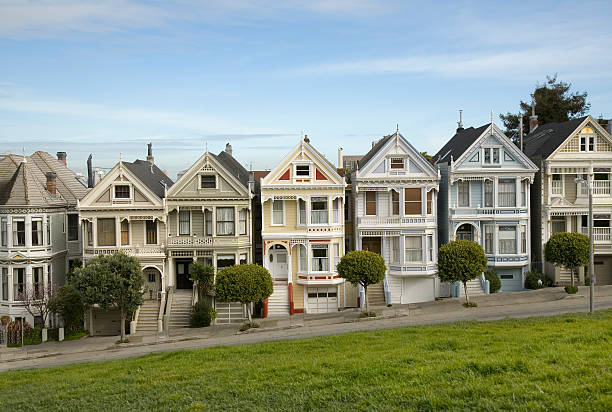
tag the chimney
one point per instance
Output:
(228, 149)
(533, 119)
(306, 139)
(150, 157)
(51, 184)
(61, 156)
(460, 122)
(340, 159)
(90, 173)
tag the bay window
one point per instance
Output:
(523, 239)
(413, 247)
(463, 193)
(336, 256)
(301, 212)
(507, 192)
(18, 232)
(184, 222)
(507, 239)
(523, 193)
(336, 210)
(370, 203)
(302, 259)
(278, 212)
(242, 221)
(320, 258)
(89, 230)
(3, 231)
(18, 283)
(125, 232)
(558, 224)
(37, 232)
(208, 222)
(488, 193)
(318, 211)
(395, 249)
(412, 201)
(428, 201)
(488, 238)
(225, 221)
(395, 203)
(430, 248)
(106, 232)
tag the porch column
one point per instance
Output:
(117, 231)
(171, 269)
(289, 265)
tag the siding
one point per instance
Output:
(475, 194)
(197, 223)
(290, 218)
(383, 204)
(570, 188)
(138, 228)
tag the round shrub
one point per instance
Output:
(494, 282)
(571, 289)
(532, 278)
(202, 314)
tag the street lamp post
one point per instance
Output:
(587, 182)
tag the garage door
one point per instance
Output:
(511, 280)
(322, 300)
(106, 323)
(603, 270)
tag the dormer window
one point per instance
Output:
(587, 140)
(208, 182)
(122, 192)
(397, 163)
(491, 155)
(302, 170)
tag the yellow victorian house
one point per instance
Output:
(303, 233)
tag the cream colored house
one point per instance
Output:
(303, 233)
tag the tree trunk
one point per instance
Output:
(365, 294)
(248, 309)
(467, 300)
(123, 316)
(572, 274)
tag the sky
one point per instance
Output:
(108, 77)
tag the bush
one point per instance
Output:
(531, 280)
(461, 260)
(571, 289)
(494, 282)
(587, 280)
(31, 336)
(68, 304)
(249, 325)
(245, 284)
(202, 314)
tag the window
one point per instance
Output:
(37, 280)
(184, 222)
(278, 212)
(151, 228)
(225, 221)
(49, 230)
(587, 140)
(303, 259)
(89, 229)
(523, 193)
(412, 201)
(429, 197)
(242, 221)
(320, 258)
(523, 239)
(370, 203)
(413, 248)
(37, 232)
(397, 163)
(4, 284)
(336, 210)
(491, 155)
(224, 261)
(507, 192)
(430, 252)
(496, 155)
(3, 231)
(463, 193)
(208, 182)
(122, 192)
(395, 249)
(558, 224)
(19, 282)
(395, 203)
(507, 239)
(208, 229)
(151, 277)
(318, 211)
(336, 256)
(18, 232)
(73, 227)
(301, 212)
(488, 193)
(488, 238)
(302, 170)
(106, 232)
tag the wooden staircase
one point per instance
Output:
(278, 302)
(147, 317)
(376, 295)
(181, 308)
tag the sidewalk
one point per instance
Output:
(544, 302)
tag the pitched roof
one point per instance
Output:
(545, 139)
(366, 158)
(233, 167)
(150, 175)
(459, 143)
(24, 183)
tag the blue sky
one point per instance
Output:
(107, 77)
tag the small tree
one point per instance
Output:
(568, 249)
(245, 284)
(461, 260)
(204, 277)
(36, 300)
(111, 281)
(361, 267)
(68, 304)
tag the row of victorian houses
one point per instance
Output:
(301, 217)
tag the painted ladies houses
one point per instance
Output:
(394, 204)
(125, 212)
(566, 151)
(209, 211)
(484, 197)
(303, 232)
(39, 226)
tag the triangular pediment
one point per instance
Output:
(602, 142)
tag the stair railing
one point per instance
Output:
(485, 284)
(162, 309)
(387, 291)
(170, 295)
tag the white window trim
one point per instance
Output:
(587, 136)
(329, 212)
(501, 155)
(404, 160)
(272, 212)
(297, 208)
(310, 170)
(246, 222)
(329, 258)
(208, 188)
(156, 233)
(399, 201)
(124, 199)
(469, 202)
(129, 232)
(178, 222)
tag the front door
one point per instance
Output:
(278, 264)
(371, 244)
(183, 278)
(152, 283)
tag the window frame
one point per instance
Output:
(4, 232)
(408, 203)
(121, 185)
(272, 210)
(408, 259)
(461, 183)
(322, 213)
(15, 231)
(232, 221)
(395, 203)
(367, 202)
(302, 165)
(100, 232)
(503, 228)
(488, 152)
(243, 222)
(322, 259)
(74, 236)
(402, 166)
(207, 176)
(511, 182)
(189, 221)
(155, 223)
(39, 232)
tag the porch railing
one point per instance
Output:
(600, 187)
(600, 234)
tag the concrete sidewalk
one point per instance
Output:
(549, 301)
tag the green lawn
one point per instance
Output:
(558, 363)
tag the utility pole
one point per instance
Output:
(591, 255)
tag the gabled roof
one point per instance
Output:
(233, 167)
(459, 143)
(545, 139)
(366, 158)
(68, 184)
(150, 175)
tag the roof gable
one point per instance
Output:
(547, 138)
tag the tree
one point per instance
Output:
(204, 277)
(74, 265)
(245, 284)
(554, 103)
(568, 249)
(36, 300)
(461, 260)
(111, 281)
(362, 267)
(68, 304)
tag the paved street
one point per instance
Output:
(545, 302)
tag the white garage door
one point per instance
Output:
(511, 280)
(322, 300)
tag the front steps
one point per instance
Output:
(278, 303)
(474, 288)
(376, 295)
(181, 308)
(147, 317)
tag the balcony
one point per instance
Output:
(133, 251)
(206, 241)
(600, 187)
(393, 220)
(600, 234)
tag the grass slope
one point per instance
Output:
(558, 363)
